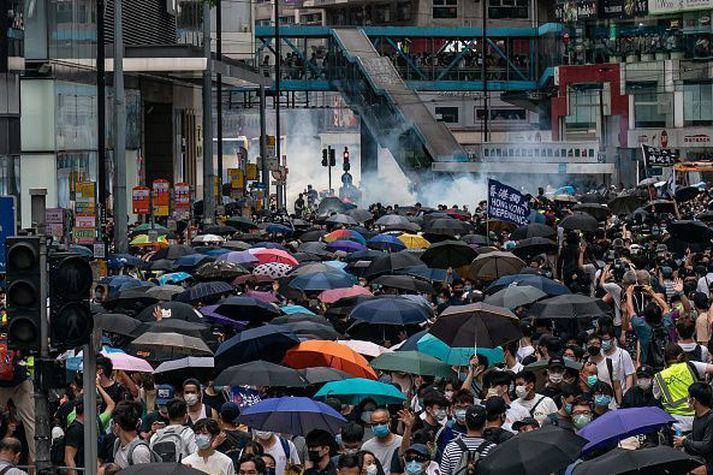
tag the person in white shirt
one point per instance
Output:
(537, 405)
(622, 364)
(498, 383)
(206, 458)
(384, 443)
(685, 329)
(282, 450)
(705, 281)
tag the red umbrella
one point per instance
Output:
(332, 295)
(274, 255)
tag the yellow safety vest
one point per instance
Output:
(674, 382)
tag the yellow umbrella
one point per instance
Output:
(144, 240)
(414, 241)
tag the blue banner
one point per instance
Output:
(7, 226)
(505, 203)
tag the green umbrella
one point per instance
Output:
(149, 226)
(454, 355)
(355, 390)
(412, 362)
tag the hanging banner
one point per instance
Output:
(658, 157)
(84, 202)
(252, 171)
(161, 197)
(141, 200)
(182, 201)
(235, 175)
(85, 228)
(505, 203)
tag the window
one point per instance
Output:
(583, 109)
(502, 114)
(697, 104)
(499, 9)
(651, 108)
(449, 115)
(445, 8)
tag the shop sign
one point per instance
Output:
(140, 199)
(182, 200)
(84, 202)
(659, 7)
(624, 8)
(161, 197)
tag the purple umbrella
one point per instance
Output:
(346, 246)
(622, 423)
(209, 313)
(292, 415)
(239, 257)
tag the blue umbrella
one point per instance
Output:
(212, 251)
(411, 343)
(321, 281)
(425, 272)
(292, 415)
(456, 356)
(81, 250)
(278, 229)
(116, 280)
(610, 428)
(133, 284)
(247, 308)
(346, 246)
(268, 343)
(174, 278)
(390, 311)
(365, 255)
(355, 390)
(269, 245)
(203, 290)
(548, 286)
(292, 309)
(336, 264)
(188, 263)
(386, 242)
(117, 261)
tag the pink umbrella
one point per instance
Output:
(274, 255)
(267, 297)
(332, 295)
(125, 362)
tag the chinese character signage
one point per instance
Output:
(161, 197)
(84, 202)
(140, 199)
(54, 218)
(506, 203)
(252, 171)
(658, 157)
(182, 201)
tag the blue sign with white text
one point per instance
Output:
(505, 203)
(8, 226)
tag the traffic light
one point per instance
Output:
(332, 157)
(325, 157)
(346, 166)
(25, 265)
(71, 321)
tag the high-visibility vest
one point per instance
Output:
(674, 382)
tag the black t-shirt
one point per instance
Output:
(152, 417)
(74, 437)
(330, 469)
(235, 442)
(117, 392)
(214, 402)
(497, 435)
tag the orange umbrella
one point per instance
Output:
(315, 353)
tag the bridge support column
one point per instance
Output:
(369, 150)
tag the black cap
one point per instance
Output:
(556, 361)
(419, 449)
(645, 370)
(528, 421)
(495, 405)
(475, 415)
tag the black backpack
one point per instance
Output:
(169, 444)
(695, 354)
(57, 451)
(468, 462)
(656, 355)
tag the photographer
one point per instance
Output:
(652, 326)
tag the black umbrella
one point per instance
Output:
(529, 247)
(313, 329)
(686, 193)
(408, 227)
(300, 317)
(446, 227)
(486, 325)
(177, 371)
(165, 310)
(204, 291)
(219, 229)
(662, 207)
(341, 219)
(329, 205)
(167, 346)
(268, 342)
(690, 231)
(240, 222)
(174, 251)
(391, 262)
(532, 230)
(477, 239)
(361, 215)
(314, 235)
(593, 198)
(306, 257)
(116, 323)
(160, 469)
(580, 221)
(624, 204)
(515, 296)
(247, 309)
(447, 254)
(546, 450)
(568, 306)
(314, 247)
(640, 216)
(220, 270)
(659, 460)
(260, 373)
(322, 374)
(706, 216)
(236, 245)
(404, 282)
(182, 327)
(160, 265)
(598, 211)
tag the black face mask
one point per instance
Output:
(594, 350)
(314, 456)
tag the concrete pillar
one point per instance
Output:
(369, 151)
(38, 197)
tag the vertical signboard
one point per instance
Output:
(54, 219)
(161, 197)
(85, 221)
(140, 199)
(182, 201)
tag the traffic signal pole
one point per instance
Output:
(42, 416)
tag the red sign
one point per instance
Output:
(140, 199)
(161, 197)
(664, 139)
(182, 200)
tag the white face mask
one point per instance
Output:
(262, 435)
(521, 391)
(371, 469)
(556, 378)
(644, 383)
(191, 399)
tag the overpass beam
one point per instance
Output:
(369, 150)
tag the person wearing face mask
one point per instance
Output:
(602, 397)
(496, 410)
(537, 405)
(384, 443)
(206, 458)
(621, 363)
(165, 443)
(417, 461)
(555, 378)
(563, 417)
(642, 395)
(370, 465)
(318, 447)
(607, 372)
(581, 413)
(350, 439)
(435, 413)
(501, 383)
(197, 410)
(282, 450)
(471, 441)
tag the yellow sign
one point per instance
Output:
(236, 177)
(270, 140)
(84, 202)
(252, 171)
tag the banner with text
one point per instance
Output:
(505, 203)
(658, 157)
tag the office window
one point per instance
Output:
(445, 8)
(698, 104)
(583, 109)
(448, 115)
(652, 108)
(502, 114)
(500, 9)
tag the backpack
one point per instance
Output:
(660, 338)
(155, 458)
(695, 354)
(57, 451)
(169, 445)
(468, 463)
(8, 364)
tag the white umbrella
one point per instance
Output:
(365, 348)
(208, 239)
